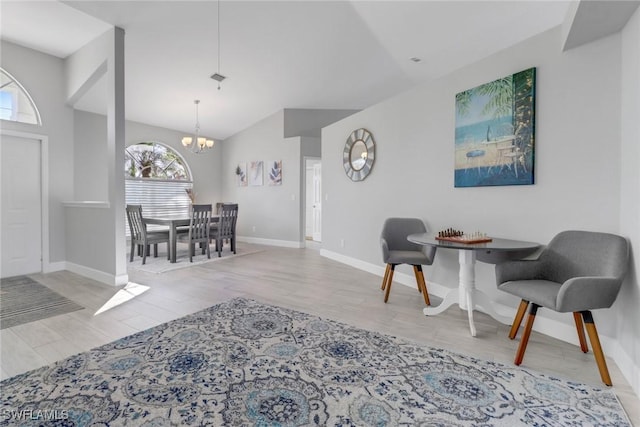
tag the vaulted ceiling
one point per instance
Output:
(275, 54)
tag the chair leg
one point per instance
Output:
(597, 348)
(219, 246)
(518, 319)
(133, 248)
(168, 250)
(389, 281)
(233, 245)
(145, 251)
(422, 285)
(525, 335)
(386, 276)
(208, 250)
(155, 250)
(577, 317)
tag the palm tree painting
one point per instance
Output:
(494, 136)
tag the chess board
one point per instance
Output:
(465, 239)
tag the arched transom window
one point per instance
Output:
(16, 104)
(154, 160)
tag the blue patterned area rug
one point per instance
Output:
(242, 363)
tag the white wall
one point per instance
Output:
(577, 171)
(106, 261)
(43, 77)
(90, 169)
(628, 315)
(91, 140)
(274, 211)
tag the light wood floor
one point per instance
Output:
(299, 279)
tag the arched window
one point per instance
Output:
(16, 104)
(154, 160)
(158, 178)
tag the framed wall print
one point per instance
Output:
(495, 132)
(256, 173)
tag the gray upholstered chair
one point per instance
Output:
(141, 237)
(198, 229)
(577, 272)
(396, 249)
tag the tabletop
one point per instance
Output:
(497, 250)
(496, 244)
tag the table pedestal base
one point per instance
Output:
(466, 295)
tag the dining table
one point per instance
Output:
(174, 222)
(466, 295)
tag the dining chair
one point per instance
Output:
(198, 229)
(213, 228)
(140, 237)
(577, 272)
(396, 249)
(225, 229)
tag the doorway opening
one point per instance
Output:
(313, 201)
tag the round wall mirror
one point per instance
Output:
(358, 154)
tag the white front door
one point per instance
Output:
(20, 211)
(317, 202)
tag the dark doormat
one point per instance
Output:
(23, 300)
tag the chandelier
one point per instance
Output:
(197, 144)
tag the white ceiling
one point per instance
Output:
(275, 54)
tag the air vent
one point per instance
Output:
(218, 77)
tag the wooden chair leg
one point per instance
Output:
(597, 348)
(389, 281)
(386, 276)
(577, 317)
(422, 285)
(155, 250)
(133, 248)
(415, 272)
(522, 308)
(525, 335)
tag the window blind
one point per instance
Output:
(158, 197)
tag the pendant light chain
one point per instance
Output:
(219, 42)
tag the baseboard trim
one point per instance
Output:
(629, 369)
(54, 266)
(402, 278)
(546, 326)
(271, 242)
(100, 276)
